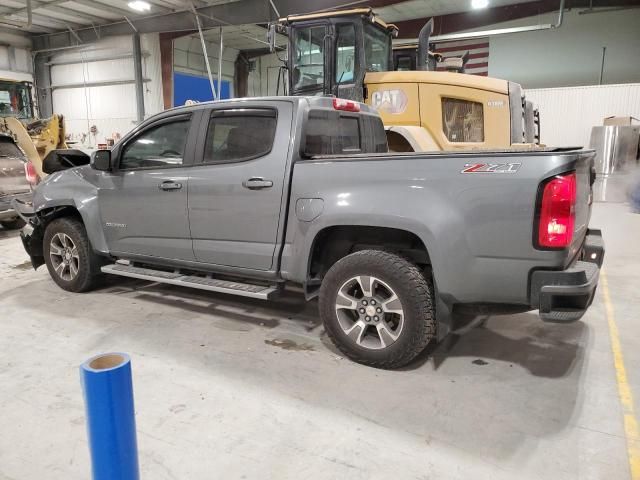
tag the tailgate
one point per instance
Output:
(12, 176)
(585, 176)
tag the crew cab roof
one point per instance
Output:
(310, 101)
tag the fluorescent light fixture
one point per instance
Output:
(474, 4)
(141, 6)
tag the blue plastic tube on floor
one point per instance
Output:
(111, 426)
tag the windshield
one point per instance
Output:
(308, 58)
(15, 100)
(377, 47)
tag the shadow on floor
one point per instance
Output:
(544, 349)
(465, 392)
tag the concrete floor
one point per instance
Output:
(239, 389)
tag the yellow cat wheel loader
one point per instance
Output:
(349, 54)
(36, 137)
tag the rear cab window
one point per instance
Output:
(330, 132)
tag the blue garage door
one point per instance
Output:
(193, 87)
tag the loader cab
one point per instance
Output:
(16, 100)
(330, 53)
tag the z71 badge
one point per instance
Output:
(491, 168)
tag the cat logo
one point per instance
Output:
(391, 101)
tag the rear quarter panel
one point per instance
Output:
(477, 227)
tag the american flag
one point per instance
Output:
(478, 48)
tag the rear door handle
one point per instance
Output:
(170, 185)
(256, 183)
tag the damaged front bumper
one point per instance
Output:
(31, 233)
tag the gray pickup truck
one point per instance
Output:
(243, 196)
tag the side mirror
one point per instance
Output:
(101, 160)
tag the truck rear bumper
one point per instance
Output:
(565, 296)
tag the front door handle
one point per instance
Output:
(256, 183)
(170, 185)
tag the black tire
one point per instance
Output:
(88, 274)
(14, 224)
(409, 285)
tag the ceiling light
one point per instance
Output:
(474, 3)
(141, 6)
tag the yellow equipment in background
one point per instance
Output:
(36, 137)
(348, 53)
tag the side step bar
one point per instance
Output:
(192, 281)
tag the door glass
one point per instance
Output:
(162, 146)
(345, 53)
(404, 63)
(377, 45)
(308, 58)
(238, 137)
(15, 100)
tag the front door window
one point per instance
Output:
(159, 147)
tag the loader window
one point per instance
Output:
(377, 45)
(462, 120)
(308, 58)
(345, 53)
(15, 100)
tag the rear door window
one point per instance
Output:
(239, 135)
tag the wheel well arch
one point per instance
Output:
(47, 215)
(335, 242)
(398, 143)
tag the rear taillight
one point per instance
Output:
(346, 105)
(557, 211)
(31, 174)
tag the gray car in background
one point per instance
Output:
(13, 182)
(244, 196)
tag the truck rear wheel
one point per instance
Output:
(69, 257)
(377, 308)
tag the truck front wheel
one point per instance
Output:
(377, 308)
(69, 257)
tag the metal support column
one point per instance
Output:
(42, 83)
(206, 56)
(220, 65)
(137, 67)
(604, 52)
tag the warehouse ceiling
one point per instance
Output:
(73, 22)
(61, 15)
(56, 15)
(410, 9)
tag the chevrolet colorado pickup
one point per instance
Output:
(243, 196)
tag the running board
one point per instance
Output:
(192, 281)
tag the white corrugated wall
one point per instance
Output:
(263, 80)
(15, 56)
(110, 108)
(568, 114)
